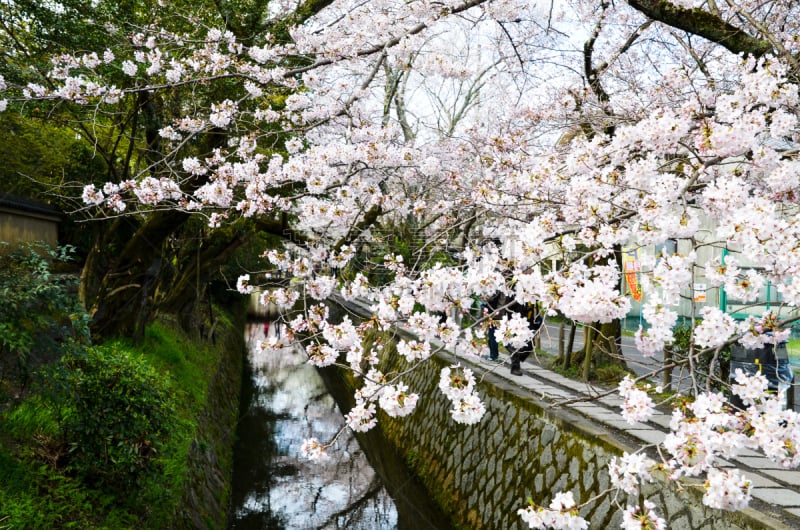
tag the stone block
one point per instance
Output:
(650, 436)
(599, 513)
(575, 468)
(560, 484)
(549, 478)
(679, 521)
(760, 481)
(588, 482)
(778, 496)
(546, 456)
(561, 458)
(791, 477)
(538, 481)
(758, 462)
(548, 434)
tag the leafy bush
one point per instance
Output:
(54, 470)
(40, 317)
(118, 418)
(42, 497)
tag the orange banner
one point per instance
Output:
(631, 267)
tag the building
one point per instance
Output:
(26, 220)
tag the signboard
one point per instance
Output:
(631, 265)
(700, 293)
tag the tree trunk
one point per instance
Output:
(588, 338)
(570, 343)
(608, 345)
(122, 302)
(182, 289)
(667, 374)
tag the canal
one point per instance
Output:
(362, 485)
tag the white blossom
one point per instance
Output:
(243, 284)
(361, 417)
(637, 405)
(726, 490)
(313, 449)
(130, 68)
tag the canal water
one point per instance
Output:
(363, 484)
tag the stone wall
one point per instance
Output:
(206, 495)
(482, 474)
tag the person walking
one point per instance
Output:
(534, 318)
(489, 307)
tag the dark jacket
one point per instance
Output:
(530, 312)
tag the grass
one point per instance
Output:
(793, 348)
(37, 492)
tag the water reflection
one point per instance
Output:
(273, 487)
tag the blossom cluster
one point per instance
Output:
(637, 405)
(628, 471)
(642, 518)
(458, 384)
(560, 514)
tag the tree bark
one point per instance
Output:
(704, 24)
(588, 337)
(121, 305)
(570, 343)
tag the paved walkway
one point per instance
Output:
(778, 487)
(636, 361)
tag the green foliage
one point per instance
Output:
(66, 504)
(130, 409)
(39, 154)
(118, 417)
(189, 366)
(34, 418)
(717, 374)
(40, 318)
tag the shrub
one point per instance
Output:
(40, 317)
(118, 417)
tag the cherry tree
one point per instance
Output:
(523, 143)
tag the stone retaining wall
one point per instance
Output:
(207, 490)
(482, 474)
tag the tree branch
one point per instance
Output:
(704, 24)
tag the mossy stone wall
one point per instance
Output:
(206, 497)
(482, 474)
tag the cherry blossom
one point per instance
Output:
(716, 328)
(629, 471)
(637, 405)
(361, 417)
(642, 518)
(726, 490)
(561, 514)
(313, 449)
(397, 402)
(529, 190)
(456, 382)
(243, 284)
(321, 355)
